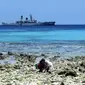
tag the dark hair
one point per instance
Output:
(42, 60)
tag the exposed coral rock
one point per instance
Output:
(82, 64)
(10, 53)
(71, 73)
(2, 56)
(1, 53)
(23, 72)
(62, 83)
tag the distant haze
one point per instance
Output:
(61, 11)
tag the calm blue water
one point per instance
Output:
(40, 34)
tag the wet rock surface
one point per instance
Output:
(1, 56)
(23, 72)
(10, 53)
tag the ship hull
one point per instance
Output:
(31, 24)
(48, 23)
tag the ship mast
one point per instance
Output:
(31, 17)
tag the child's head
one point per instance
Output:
(42, 60)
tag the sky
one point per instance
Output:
(61, 11)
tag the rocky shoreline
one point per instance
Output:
(68, 71)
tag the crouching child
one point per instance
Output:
(44, 65)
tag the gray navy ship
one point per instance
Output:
(29, 22)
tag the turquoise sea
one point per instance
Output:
(40, 34)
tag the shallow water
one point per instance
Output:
(8, 60)
(66, 41)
